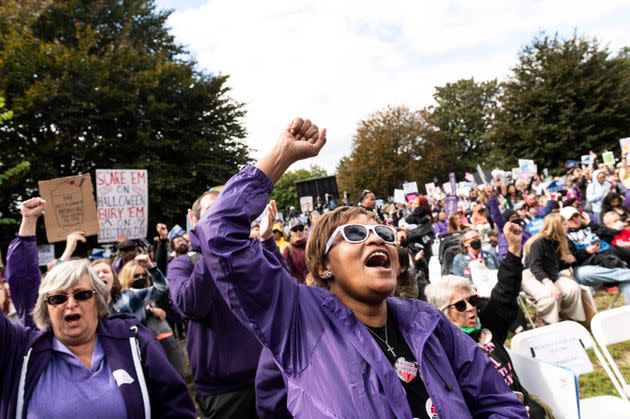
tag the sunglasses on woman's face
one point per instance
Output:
(461, 304)
(57, 299)
(297, 229)
(358, 233)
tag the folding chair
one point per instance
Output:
(565, 344)
(610, 327)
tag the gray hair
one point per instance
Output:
(67, 275)
(439, 293)
(606, 218)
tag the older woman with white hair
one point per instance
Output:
(77, 361)
(487, 321)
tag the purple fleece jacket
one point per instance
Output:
(121, 336)
(330, 362)
(223, 353)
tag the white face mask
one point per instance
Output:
(618, 226)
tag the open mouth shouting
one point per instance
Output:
(378, 259)
(72, 320)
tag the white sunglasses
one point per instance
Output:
(358, 233)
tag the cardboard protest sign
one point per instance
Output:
(45, 253)
(69, 207)
(625, 145)
(399, 196)
(123, 203)
(410, 187)
(608, 157)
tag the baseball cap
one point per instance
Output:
(294, 222)
(568, 212)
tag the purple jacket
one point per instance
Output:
(223, 353)
(499, 223)
(156, 388)
(330, 362)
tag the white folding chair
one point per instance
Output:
(565, 344)
(610, 327)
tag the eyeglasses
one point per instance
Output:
(57, 299)
(461, 304)
(297, 229)
(358, 233)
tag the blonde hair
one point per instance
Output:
(126, 274)
(62, 277)
(553, 228)
(320, 233)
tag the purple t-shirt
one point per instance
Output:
(68, 389)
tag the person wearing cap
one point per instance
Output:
(294, 252)
(127, 250)
(597, 261)
(278, 235)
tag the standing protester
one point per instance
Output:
(223, 353)
(294, 252)
(79, 361)
(347, 350)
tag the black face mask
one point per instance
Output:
(475, 244)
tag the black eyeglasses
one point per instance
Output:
(358, 233)
(57, 299)
(460, 305)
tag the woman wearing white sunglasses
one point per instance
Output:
(345, 349)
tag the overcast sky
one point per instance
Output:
(337, 62)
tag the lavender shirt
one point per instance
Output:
(68, 389)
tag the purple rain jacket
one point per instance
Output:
(223, 353)
(156, 389)
(331, 364)
(499, 223)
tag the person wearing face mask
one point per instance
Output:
(613, 221)
(345, 348)
(470, 245)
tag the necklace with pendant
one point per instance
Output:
(390, 349)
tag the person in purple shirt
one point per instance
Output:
(77, 361)
(345, 349)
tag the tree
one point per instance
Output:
(102, 84)
(285, 192)
(564, 98)
(389, 147)
(464, 114)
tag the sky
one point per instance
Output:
(336, 62)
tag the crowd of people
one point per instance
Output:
(332, 313)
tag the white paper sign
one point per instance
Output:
(527, 166)
(45, 253)
(625, 145)
(306, 203)
(563, 350)
(399, 196)
(410, 187)
(446, 187)
(122, 204)
(484, 279)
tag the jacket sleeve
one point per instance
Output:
(22, 274)
(270, 245)
(168, 392)
(495, 213)
(161, 254)
(190, 287)
(271, 392)
(581, 255)
(485, 392)
(502, 307)
(536, 260)
(254, 284)
(603, 232)
(160, 286)
(459, 263)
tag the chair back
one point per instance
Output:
(611, 326)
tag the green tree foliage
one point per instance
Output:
(464, 114)
(285, 192)
(389, 147)
(564, 98)
(102, 84)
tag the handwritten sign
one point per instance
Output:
(399, 196)
(625, 145)
(123, 204)
(609, 158)
(69, 207)
(306, 204)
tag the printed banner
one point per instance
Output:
(69, 206)
(123, 203)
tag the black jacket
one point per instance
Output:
(543, 259)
